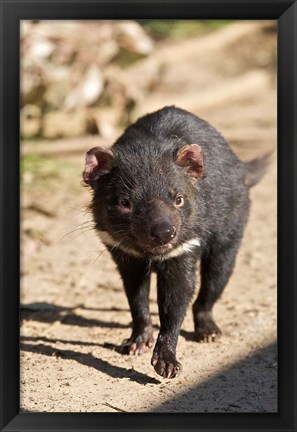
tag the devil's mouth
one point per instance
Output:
(136, 248)
(159, 250)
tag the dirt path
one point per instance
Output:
(74, 311)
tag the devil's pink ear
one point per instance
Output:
(190, 155)
(98, 163)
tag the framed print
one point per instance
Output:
(89, 213)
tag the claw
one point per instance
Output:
(167, 368)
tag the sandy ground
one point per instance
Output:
(73, 308)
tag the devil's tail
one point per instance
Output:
(256, 168)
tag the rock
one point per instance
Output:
(88, 91)
(107, 51)
(128, 88)
(61, 70)
(66, 52)
(33, 85)
(69, 124)
(104, 121)
(131, 36)
(144, 75)
(25, 28)
(41, 49)
(61, 83)
(30, 121)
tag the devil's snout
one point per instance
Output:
(163, 232)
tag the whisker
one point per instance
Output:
(81, 224)
(98, 256)
(81, 230)
(148, 268)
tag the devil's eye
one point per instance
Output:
(124, 202)
(179, 201)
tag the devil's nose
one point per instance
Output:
(163, 232)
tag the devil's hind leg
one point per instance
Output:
(217, 264)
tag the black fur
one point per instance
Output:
(151, 198)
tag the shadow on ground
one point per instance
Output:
(87, 359)
(49, 313)
(249, 385)
(253, 381)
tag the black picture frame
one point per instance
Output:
(12, 11)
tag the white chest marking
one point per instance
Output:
(109, 241)
(187, 246)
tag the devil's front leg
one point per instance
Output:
(176, 284)
(136, 278)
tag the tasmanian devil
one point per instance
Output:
(168, 193)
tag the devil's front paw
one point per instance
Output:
(139, 342)
(165, 364)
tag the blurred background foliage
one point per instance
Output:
(93, 78)
(179, 29)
